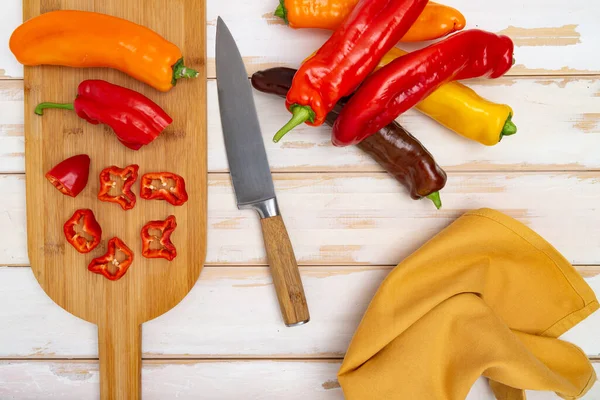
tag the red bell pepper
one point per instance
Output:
(164, 186)
(135, 119)
(87, 238)
(344, 61)
(102, 265)
(159, 246)
(407, 80)
(128, 175)
(71, 175)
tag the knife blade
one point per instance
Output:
(251, 175)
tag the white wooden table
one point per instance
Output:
(349, 222)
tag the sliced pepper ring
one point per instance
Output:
(126, 199)
(101, 265)
(167, 249)
(89, 227)
(174, 194)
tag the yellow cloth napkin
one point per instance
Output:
(485, 297)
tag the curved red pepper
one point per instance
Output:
(71, 175)
(126, 199)
(345, 60)
(167, 249)
(164, 186)
(89, 226)
(135, 119)
(101, 265)
(407, 80)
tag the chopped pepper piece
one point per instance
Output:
(71, 175)
(87, 238)
(167, 249)
(126, 199)
(102, 265)
(164, 186)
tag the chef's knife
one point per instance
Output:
(251, 176)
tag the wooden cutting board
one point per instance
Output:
(150, 287)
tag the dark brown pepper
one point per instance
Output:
(396, 150)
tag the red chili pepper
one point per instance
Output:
(166, 250)
(345, 60)
(102, 265)
(71, 175)
(135, 119)
(89, 228)
(407, 80)
(164, 186)
(128, 176)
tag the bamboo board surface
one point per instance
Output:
(546, 176)
(150, 287)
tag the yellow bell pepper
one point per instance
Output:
(460, 109)
(463, 111)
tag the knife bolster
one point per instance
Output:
(266, 208)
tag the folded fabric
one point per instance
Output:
(485, 297)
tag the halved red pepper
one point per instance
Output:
(89, 228)
(126, 199)
(164, 186)
(71, 175)
(135, 119)
(167, 249)
(102, 265)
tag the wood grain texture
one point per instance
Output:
(567, 141)
(150, 287)
(230, 313)
(367, 218)
(214, 380)
(284, 268)
(120, 354)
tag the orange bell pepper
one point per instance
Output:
(435, 21)
(87, 39)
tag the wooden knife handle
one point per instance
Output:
(284, 269)
(120, 353)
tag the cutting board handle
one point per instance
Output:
(120, 352)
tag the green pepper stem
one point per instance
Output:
(509, 128)
(281, 12)
(39, 110)
(181, 71)
(437, 200)
(300, 114)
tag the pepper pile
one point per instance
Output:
(359, 83)
(84, 232)
(55, 38)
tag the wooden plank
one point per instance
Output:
(567, 141)
(231, 313)
(11, 16)
(540, 29)
(218, 380)
(367, 218)
(551, 37)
